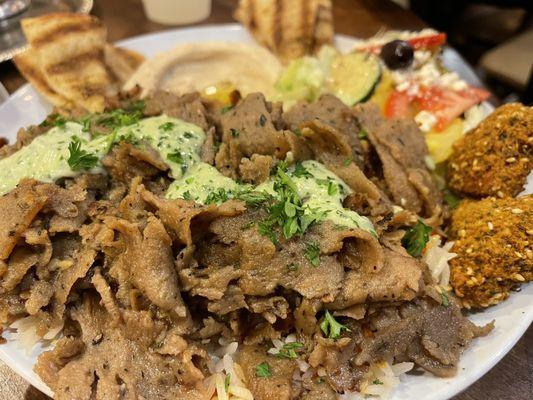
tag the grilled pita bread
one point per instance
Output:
(29, 68)
(69, 50)
(66, 60)
(121, 62)
(290, 28)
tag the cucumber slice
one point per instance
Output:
(354, 76)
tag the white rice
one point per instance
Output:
(380, 381)
(278, 344)
(225, 368)
(25, 335)
(436, 256)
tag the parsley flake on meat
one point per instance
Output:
(227, 381)
(312, 253)
(225, 109)
(301, 171)
(416, 238)
(331, 328)
(217, 197)
(263, 370)
(287, 211)
(445, 301)
(289, 350)
(80, 159)
(120, 117)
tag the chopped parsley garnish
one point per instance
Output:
(188, 135)
(250, 197)
(416, 238)
(289, 350)
(225, 109)
(286, 211)
(332, 188)
(187, 195)
(227, 382)
(362, 134)
(247, 225)
(265, 229)
(347, 162)
(167, 126)
(176, 157)
(128, 138)
(55, 120)
(136, 106)
(262, 120)
(263, 370)
(80, 159)
(217, 197)
(300, 170)
(451, 199)
(293, 267)
(234, 132)
(297, 132)
(445, 301)
(312, 253)
(118, 118)
(331, 328)
(377, 382)
(86, 123)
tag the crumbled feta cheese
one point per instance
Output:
(428, 74)
(402, 87)
(425, 120)
(453, 81)
(422, 56)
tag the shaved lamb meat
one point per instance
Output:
(402, 150)
(432, 336)
(276, 387)
(331, 111)
(153, 294)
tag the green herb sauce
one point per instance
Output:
(179, 144)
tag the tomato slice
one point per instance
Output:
(448, 104)
(427, 42)
(445, 104)
(397, 105)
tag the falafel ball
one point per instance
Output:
(495, 158)
(493, 242)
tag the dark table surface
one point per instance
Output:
(511, 379)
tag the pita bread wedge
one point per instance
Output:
(28, 67)
(69, 49)
(290, 28)
(121, 62)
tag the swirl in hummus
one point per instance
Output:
(196, 66)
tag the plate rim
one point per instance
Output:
(458, 385)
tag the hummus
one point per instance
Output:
(197, 66)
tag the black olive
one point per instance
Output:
(397, 54)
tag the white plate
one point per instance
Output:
(513, 317)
